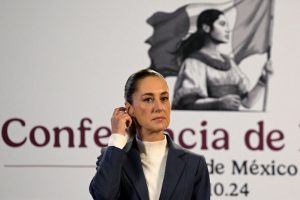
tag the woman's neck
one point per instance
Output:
(211, 48)
(150, 136)
(213, 53)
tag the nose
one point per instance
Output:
(158, 106)
(227, 29)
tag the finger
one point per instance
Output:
(125, 118)
(119, 111)
(116, 110)
(236, 107)
(122, 114)
(128, 121)
(122, 109)
(268, 68)
(120, 123)
(236, 99)
(234, 96)
(236, 102)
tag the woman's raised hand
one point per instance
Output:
(267, 70)
(120, 121)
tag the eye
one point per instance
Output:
(166, 98)
(148, 100)
(222, 23)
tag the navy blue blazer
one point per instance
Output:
(120, 175)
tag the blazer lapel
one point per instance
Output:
(133, 168)
(174, 168)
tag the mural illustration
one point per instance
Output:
(64, 66)
(188, 44)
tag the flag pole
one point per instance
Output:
(269, 55)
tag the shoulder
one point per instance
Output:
(191, 157)
(192, 66)
(193, 62)
(198, 158)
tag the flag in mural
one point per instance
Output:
(251, 31)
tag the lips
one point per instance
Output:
(158, 118)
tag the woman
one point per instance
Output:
(141, 162)
(209, 80)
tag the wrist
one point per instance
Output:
(219, 103)
(118, 140)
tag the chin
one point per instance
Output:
(159, 128)
(225, 41)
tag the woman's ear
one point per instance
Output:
(129, 109)
(205, 28)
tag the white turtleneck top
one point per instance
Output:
(153, 157)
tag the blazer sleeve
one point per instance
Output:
(106, 182)
(202, 183)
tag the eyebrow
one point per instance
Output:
(151, 94)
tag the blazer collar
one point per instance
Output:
(174, 168)
(133, 167)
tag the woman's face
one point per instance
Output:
(220, 30)
(151, 104)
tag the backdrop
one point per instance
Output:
(63, 66)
